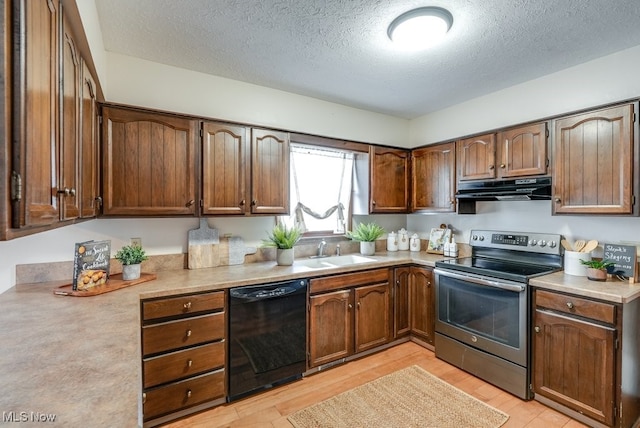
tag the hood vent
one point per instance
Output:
(522, 189)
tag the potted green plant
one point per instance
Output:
(283, 238)
(597, 269)
(366, 233)
(131, 256)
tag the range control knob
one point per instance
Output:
(481, 238)
(533, 242)
(552, 244)
(543, 243)
(474, 237)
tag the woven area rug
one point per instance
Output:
(410, 397)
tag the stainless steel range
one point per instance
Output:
(483, 305)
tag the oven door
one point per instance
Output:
(484, 313)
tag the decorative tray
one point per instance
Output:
(115, 282)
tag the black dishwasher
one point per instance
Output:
(267, 336)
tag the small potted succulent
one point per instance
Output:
(597, 269)
(131, 256)
(283, 238)
(366, 233)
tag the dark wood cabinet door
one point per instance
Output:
(593, 162)
(476, 157)
(148, 163)
(330, 327)
(433, 170)
(373, 316)
(574, 364)
(523, 151)
(269, 172)
(401, 302)
(67, 189)
(389, 180)
(35, 98)
(225, 169)
(88, 189)
(422, 304)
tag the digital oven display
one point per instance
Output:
(519, 240)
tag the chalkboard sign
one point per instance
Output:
(624, 259)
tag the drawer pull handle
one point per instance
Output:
(537, 329)
(187, 305)
(188, 393)
(570, 305)
(188, 333)
(189, 362)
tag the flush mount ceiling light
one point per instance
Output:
(420, 28)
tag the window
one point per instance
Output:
(321, 180)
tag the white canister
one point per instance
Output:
(403, 239)
(414, 242)
(392, 242)
(572, 265)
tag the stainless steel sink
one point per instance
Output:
(334, 261)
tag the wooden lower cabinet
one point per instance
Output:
(414, 303)
(351, 314)
(578, 348)
(183, 354)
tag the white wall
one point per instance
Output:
(605, 80)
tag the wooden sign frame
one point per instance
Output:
(437, 239)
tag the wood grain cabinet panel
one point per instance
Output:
(523, 151)
(225, 169)
(35, 119)
(476, 157)
(433, 171)
(389, 176)
(88, 187)
(331, 326)
(422, 304)
(593, 162)
(373, 316)
(269, 172)
(148, 163)
(401, 301)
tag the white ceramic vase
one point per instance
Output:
(130, 272)
(284, 257)
(367, 248)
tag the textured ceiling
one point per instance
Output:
(338, 50)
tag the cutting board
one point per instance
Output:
(233, 250)
(204, 248)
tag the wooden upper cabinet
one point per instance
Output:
(593, 162)
(433, 171)
(67, 189)
(35, 107)
(523, 151)
(225, 169)
(476, 157)
(389, 180)
(269, 172)
(88, 189)
(148, 163)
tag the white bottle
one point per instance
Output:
(453, 247)
(392, 242)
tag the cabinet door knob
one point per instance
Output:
(350, 306)
(188, 333)
(557, 200)
(373, 202)
(187, 305)
(503, 166)
(189, 393)
(190, 202)
(254, 202)
(242, 202)
(64, 192)
(570, 305)
(358, 305)
(72, 191)
(189, 362)
(537, 329)
(491, 167)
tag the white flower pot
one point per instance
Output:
(367, 248)
(284, 257)
(130, 272)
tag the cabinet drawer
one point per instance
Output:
(348, 280)
(182, 305)
(600, 311)
(180, 334)
(182, 364)
(180, 395)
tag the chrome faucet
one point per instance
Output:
(321, 246)
(338, 250)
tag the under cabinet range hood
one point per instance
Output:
(520, 189)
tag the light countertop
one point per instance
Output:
(78, 358)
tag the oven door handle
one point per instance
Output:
(503, 285)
